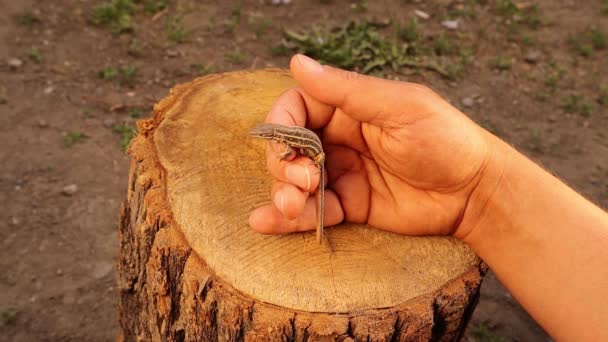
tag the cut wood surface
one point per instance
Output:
(185, 243)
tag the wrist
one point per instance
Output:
(480, 206)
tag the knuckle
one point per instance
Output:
(350, 76)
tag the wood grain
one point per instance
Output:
(215, 176)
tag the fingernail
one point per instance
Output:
(309, 64)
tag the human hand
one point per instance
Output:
(398, 156)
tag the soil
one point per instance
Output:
(64, 172)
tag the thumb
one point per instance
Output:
(364, 98)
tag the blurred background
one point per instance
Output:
(75, 76)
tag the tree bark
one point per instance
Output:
(183, 275)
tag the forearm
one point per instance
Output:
(545, 242)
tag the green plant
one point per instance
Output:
(235, 57)
(506, 8)
(578, 104)
(126, 133)
(410, 32)
(527, 39)
(463, 10)
(34, 54)
(359, 6)
(280, 49)
(202, 69)
(358, 46)
(125, 74)
(176, 32)
(135, 112)
(260, 25)
(598, 38)
(72, 138)
(8, 317)
(233, 20)
(116, 14)
(481, 333)
(135, 47)
(590, 41)
(27, 18)
(153, 6)
(552, 78)
(603, 98)
(444, 45)
(108, 73)
(501, 62)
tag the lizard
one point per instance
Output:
(308, 144)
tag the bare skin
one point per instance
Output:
(402, 159)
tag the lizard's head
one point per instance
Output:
(265, 131)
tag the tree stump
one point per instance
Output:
(190, 268)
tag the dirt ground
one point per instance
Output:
(70, 90)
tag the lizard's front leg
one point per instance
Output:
(288, 151)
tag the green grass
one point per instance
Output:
(72, 138)
(260, 25)
(444, 45)
(359, 6)
(235, 57)
(468, 9)
(153, 6)
(34, 54)
(27, 18)
(518, 22)
(233, 20)
(552, 77)
(202, 69)
(8, 317)
(410, 32)
(481, 333)
(126, 75)
(135, 47)
(603, 98)
(176, 32)
(360, 46)
(589, 41)
(135, 112)
(598, 38)
(501, 62)
(126, 133)
(116, 14)
(577, 104)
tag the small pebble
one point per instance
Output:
(450, 24)
(468, 102)
(59, 272)
(532, 57)
(109, 122)
(15, 63)
(172, 53)
(421, 14)
(15, 221)
(42, 123)
(48, 90)
(280, 2)
(101, 269)
(70, 190)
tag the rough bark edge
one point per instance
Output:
(168, 293)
